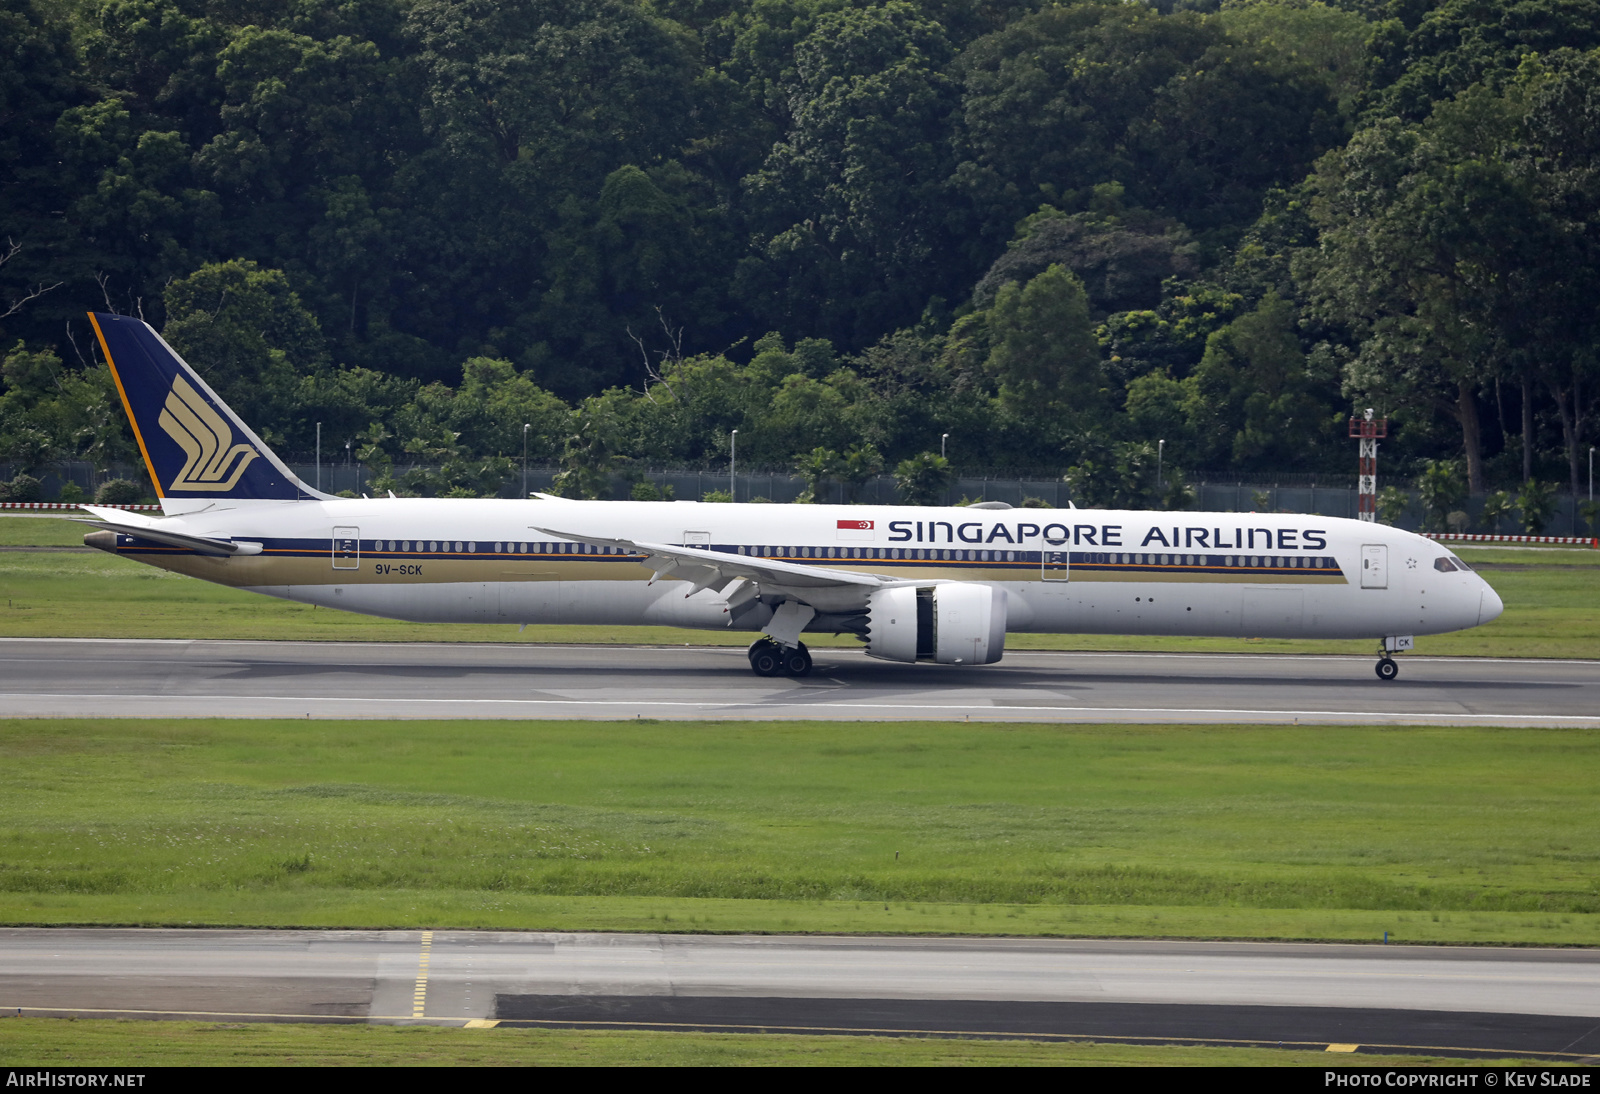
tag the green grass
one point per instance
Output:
(1552, 610)
(1435, 834)
(41, 532)
(43, 1042)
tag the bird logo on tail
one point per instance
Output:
(213, 461)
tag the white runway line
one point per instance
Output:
(771, 706)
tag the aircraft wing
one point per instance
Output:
(707, 568)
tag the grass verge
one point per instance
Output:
(1552, 610)
(1436, 834)
(44, 1042)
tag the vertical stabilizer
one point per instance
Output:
(194, 446)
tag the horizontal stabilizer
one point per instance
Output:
(205, 545)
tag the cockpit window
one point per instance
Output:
(1460, 565)
(1447, 564)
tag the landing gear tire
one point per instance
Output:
(1386, 669)
(797, 662)
(766, 658)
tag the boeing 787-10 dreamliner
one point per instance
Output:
(942, 585)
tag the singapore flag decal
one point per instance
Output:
(855, 529)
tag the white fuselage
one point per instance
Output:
(1064, 570)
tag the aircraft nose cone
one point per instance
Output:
(1490, 606)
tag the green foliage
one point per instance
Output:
(1440, 488)
(425, 224)
(924, 479)
(1331, 40)
(1187, 113)
(644, 490)
(118, 492)
(1590, 512)
(1255, 374)
(249, 336)
(1496, 508)
(818, 467)
(1044, 355)
(723, 496)
(1392, 502)
(1126, 476)
(1459, 43)
(858, 464)
(24, 488)
(1536, 502)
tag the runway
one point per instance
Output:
(191, 679)
(1378, 998)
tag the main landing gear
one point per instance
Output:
(768, 658)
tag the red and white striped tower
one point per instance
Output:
(1368, 430)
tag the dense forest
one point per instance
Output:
(1049, 236)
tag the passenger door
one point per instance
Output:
(1055, 562)
(347, 548)
(1374, 566)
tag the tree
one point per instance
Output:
(1496, 507)
(1121, 259)
(1555, 312)
(1423, 230)
(818, 467)
(245, 331)
(1537, 504)
(1459, 43)
(859, 463)
(1195, 125)
(1254, 378)
(1440, 490)
(38, 82)
(1127, 476)
(593, 450)
(850, 204)
(924, 479)
(1045, 355)
(1392, 503)
(1332, 41)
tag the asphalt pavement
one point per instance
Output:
(170, 678)
(1450, 1000)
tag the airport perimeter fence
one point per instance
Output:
(1294, 492)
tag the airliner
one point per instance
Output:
(913, 584)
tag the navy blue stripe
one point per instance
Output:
(1131, 563)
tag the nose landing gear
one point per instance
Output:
(1386, 667)
(768, 658)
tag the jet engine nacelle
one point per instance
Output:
(957, 623)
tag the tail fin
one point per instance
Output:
(194, 446)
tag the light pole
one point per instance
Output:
(525, 459)
(347, 465)
(1591, 472)
(1161, 449)
(733, 466)
(943, 439)
(319, 455)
